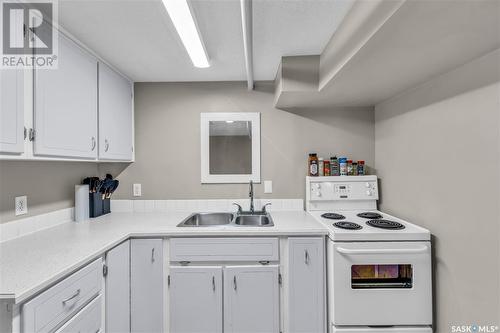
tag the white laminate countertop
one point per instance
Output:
(32, 263)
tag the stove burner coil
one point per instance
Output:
(347, 225)
(333, 216)
(370, 215)
(385, 224)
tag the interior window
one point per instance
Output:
(381, 276)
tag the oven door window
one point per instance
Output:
(381, 276)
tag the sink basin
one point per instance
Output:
(207, 220)
(254, 220)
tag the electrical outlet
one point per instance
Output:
(137, 189)
(21, 207)
(268, 186)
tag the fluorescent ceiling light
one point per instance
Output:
(184, 23)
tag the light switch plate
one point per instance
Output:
(137, 190)
(21, 207)
(268, 186)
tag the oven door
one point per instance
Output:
(380, 283)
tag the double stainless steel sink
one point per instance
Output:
(228, 219)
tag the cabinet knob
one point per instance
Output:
(106, 145)
(213, 283)
(93, 143)
(306, 257)
(234, 283)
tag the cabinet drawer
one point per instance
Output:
(46, 311)
(224, 249)
(88, 320)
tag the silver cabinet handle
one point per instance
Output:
(93, 143)
(76, 294)
(306, 257)
(153, 254)
(213, 283)
(234, 283)
(106, 145)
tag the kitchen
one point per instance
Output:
(410, 88)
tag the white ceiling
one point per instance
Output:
(138, 38)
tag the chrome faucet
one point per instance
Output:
(250, 194)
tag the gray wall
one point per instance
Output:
(437, 156)
(49, 185)
(167, 125)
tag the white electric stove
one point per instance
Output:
(379, 266)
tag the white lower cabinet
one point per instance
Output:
(195, 291)
(118, 289)
(251, 299)
(146, 285)
(88, 320)
(307, 296)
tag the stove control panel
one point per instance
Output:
(329, 190)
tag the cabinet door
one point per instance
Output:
(115, 115)
(11, 111)
(195, 291)
(66, 105)
(251, 299)
(146, 285)
(307, 285)
(118, 289)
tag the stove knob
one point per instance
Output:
(367, 185)
(369, 193)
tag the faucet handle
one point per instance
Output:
(264, 207)
(240, 210)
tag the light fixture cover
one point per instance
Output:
(184, 23)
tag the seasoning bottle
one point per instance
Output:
(313, 165)
(343, 166)
(326, 168)
(320, 166)
(334, 166)
(361, 168)
(354, 168)
(349, 168)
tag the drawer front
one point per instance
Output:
(224, 249)
(46, 311)
(88, 320)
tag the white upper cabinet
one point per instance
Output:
(115, 115)
(11, 111)
(65, 110)
(251, 299)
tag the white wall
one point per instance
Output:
(437, 156)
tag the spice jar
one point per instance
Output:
(334, 166)
(343, 166)
(313, 165)
(326, 168)
(320, 166)
(354, 168)
(349, 168)
(361, 168)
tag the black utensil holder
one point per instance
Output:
(97, 205)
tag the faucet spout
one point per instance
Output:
(250, 194)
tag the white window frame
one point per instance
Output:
(205, 119)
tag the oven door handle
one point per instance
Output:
(421, 249)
